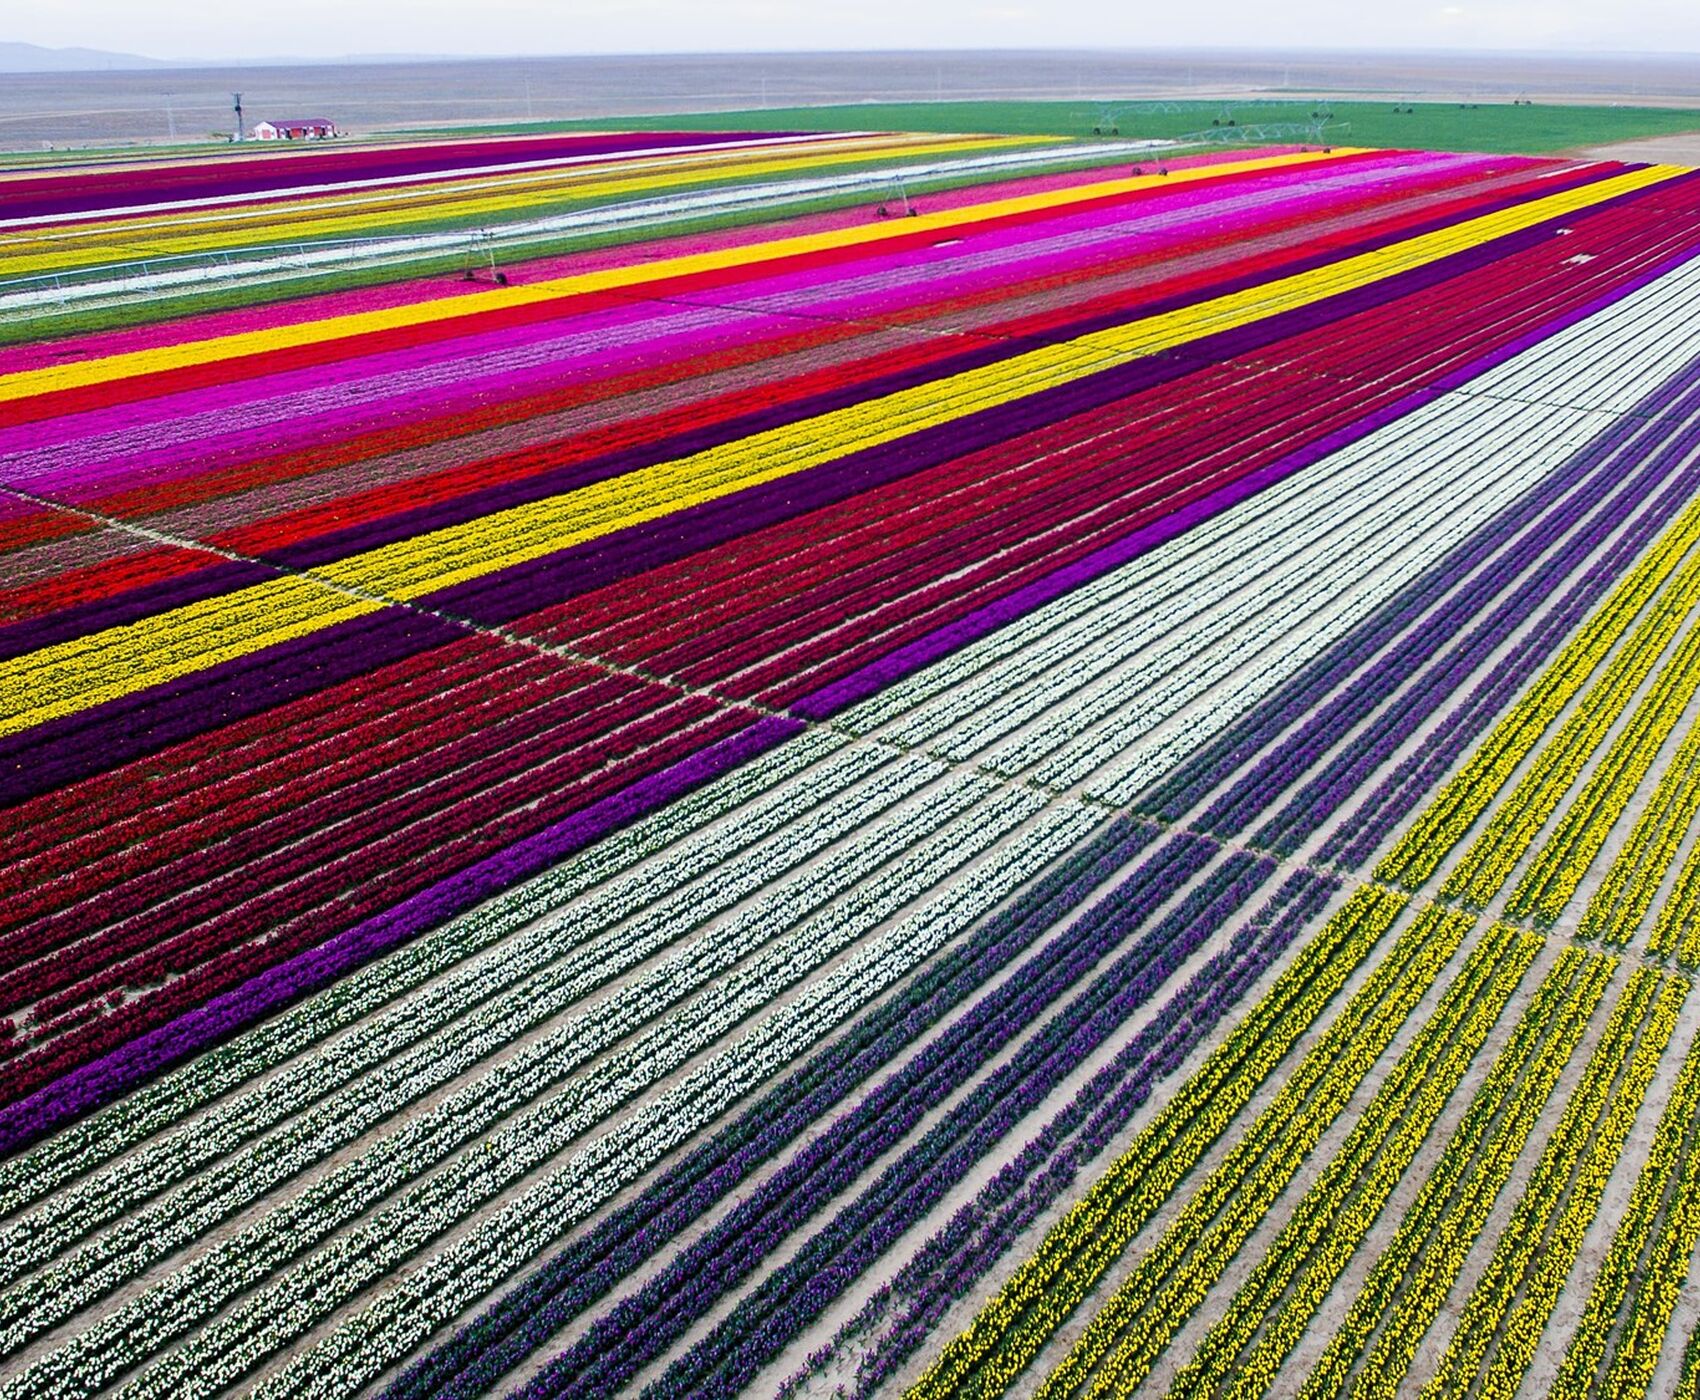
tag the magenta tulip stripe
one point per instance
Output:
(1088, 791)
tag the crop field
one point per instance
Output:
(1080, 786)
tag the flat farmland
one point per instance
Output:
(1073, 775)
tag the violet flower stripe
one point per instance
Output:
(100, 1081)
(509, 1330)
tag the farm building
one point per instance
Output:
(312, 129)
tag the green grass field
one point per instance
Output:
(1439, 126)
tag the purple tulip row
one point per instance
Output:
(1172, 798)
(505, 1334)
(961, 1253)
(792, 1296)
(1376, 745)
(1357, 838)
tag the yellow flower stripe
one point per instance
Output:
(104, 370)
(366, 220)
(70, 676)
(1579, 1158)
(1626, 893)
(1443, 823)
(1678, 926)
(1174, 1277)
(1673, 1167)
(1558, 869)
(1046, 1289)
(1412, 1276)
(1688, 1382)
(1299, 1269)
(1517, 820)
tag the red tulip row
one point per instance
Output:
(96, 814)
(447, 729)
(238, 881)
(375, 878)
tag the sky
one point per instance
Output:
(331, 28)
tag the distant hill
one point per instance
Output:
(32, 58)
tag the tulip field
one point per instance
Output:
(1087, 787)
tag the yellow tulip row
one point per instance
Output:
(63, 678)
(1516, 821)
(1411, 1277)
(1652, 1248)
(1046, 1289)
(1171, 1279)
(1329, 1224)
(1558, 869)
(87, 671)
(1688, 1382)
(1460, 804)
(1540, 1244)
(1626, 893)
(1677, 928)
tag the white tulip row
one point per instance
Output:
(1184, 644)
(280, 1312)
(422, 1142)
(178, 1218)
(403, 1315)
(1647, 333)
(1127, 750)
(1176, 666)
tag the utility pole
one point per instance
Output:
(238, 102)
